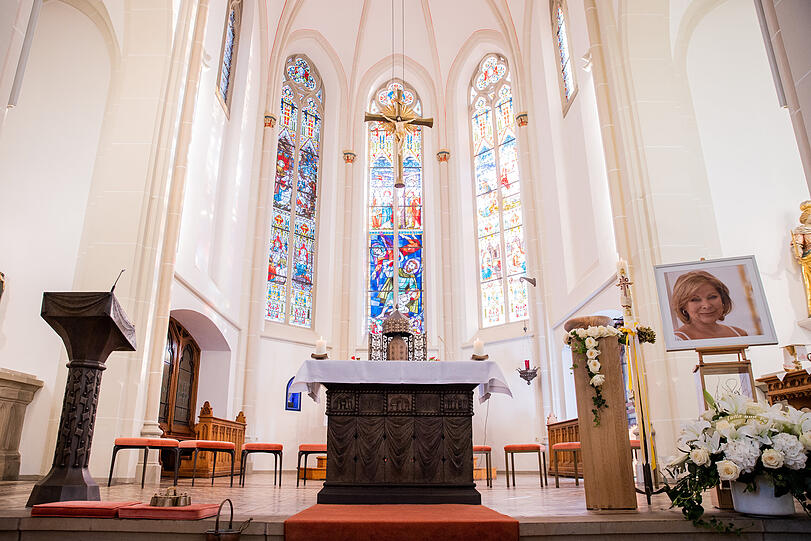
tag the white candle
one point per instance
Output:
(320, 346)
(478, 347)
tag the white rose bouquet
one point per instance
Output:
(585, 341)
(737, 440)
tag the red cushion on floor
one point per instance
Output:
(524, 447)
(194, 511)
(206, 444)
(79, 509)
(634, 444)
(448, 522)
(566, 446)
(313, 447)
(481, 448)
(261, 447)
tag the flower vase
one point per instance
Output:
(762, 501)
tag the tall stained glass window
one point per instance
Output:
(499, 229)
(293, 216)
(560, 27)
(228, 54)
(407, 212)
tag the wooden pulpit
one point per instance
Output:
(607, 471)
(92, 325)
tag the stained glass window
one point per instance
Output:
(499, 223)
(291, 263)
(568, 86)
(228, 55)
(405, 216)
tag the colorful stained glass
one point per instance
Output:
(562, 35)
(515, 261)
(502, 258)
(482, 130)
(518, 298)
(381, 211)
(296, 197)
(492, 303)
(492, 70)
(229, 51)
(485, 172)
(300, 72)
(488, 215)
(490, 257)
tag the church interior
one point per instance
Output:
(255, 179)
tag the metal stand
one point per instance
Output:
(92, 325)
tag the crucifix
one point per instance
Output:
(399, 120)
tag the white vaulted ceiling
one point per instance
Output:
(359, 31)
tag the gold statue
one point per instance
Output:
(801, 248)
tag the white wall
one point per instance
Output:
(753, 165)
(47, 152)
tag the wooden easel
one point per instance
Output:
(722, 496)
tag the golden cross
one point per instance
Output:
(399, 120)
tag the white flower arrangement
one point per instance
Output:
(738, 439)
(584, 341)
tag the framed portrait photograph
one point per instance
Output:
(715, 303)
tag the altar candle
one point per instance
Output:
(478, 347)
(526, 364)
(320, 346)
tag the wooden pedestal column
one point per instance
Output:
(607, 473)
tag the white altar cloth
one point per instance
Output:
(486, 373)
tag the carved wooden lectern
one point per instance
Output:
(92, 325)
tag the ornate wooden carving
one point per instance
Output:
(560, 432)
(417, 347)
(181, 373)
(794, 389)
(92, 325)
(399, 444)
(209, 427)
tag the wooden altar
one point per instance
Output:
(209, 427)
(794, 389)
(560, 432)
(399, 444)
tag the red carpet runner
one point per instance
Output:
(450, 522)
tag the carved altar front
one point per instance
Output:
(795, 388)
(561, 432)
(399, 444)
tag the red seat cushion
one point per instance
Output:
(194, 511)
(566, 446)
(261, 447)
(147, 442)
(79, 509)
(481, 448)
(634, 444)
(524, 447)
(313, 447)
(206, 444)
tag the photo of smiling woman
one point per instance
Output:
(713, 303)
(700, 301)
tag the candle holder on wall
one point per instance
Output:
(528, 374)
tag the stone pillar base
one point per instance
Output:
(16, 392)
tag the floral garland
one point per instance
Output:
(584, 341)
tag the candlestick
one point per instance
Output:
(320, 346)
(478, 347)
(622, 267)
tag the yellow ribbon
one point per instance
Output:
(632, 348)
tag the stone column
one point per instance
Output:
(449, 340)
(345, 333)
(16, 392)
(606, 449)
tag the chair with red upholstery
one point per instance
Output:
(566, 446)
(146, 444)
(273, 448)
(485, 450)
(509, 452)
(211, 446)
(305, 450)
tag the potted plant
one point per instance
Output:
(763, 450)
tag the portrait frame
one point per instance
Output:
(749, 312)
(292, 401)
